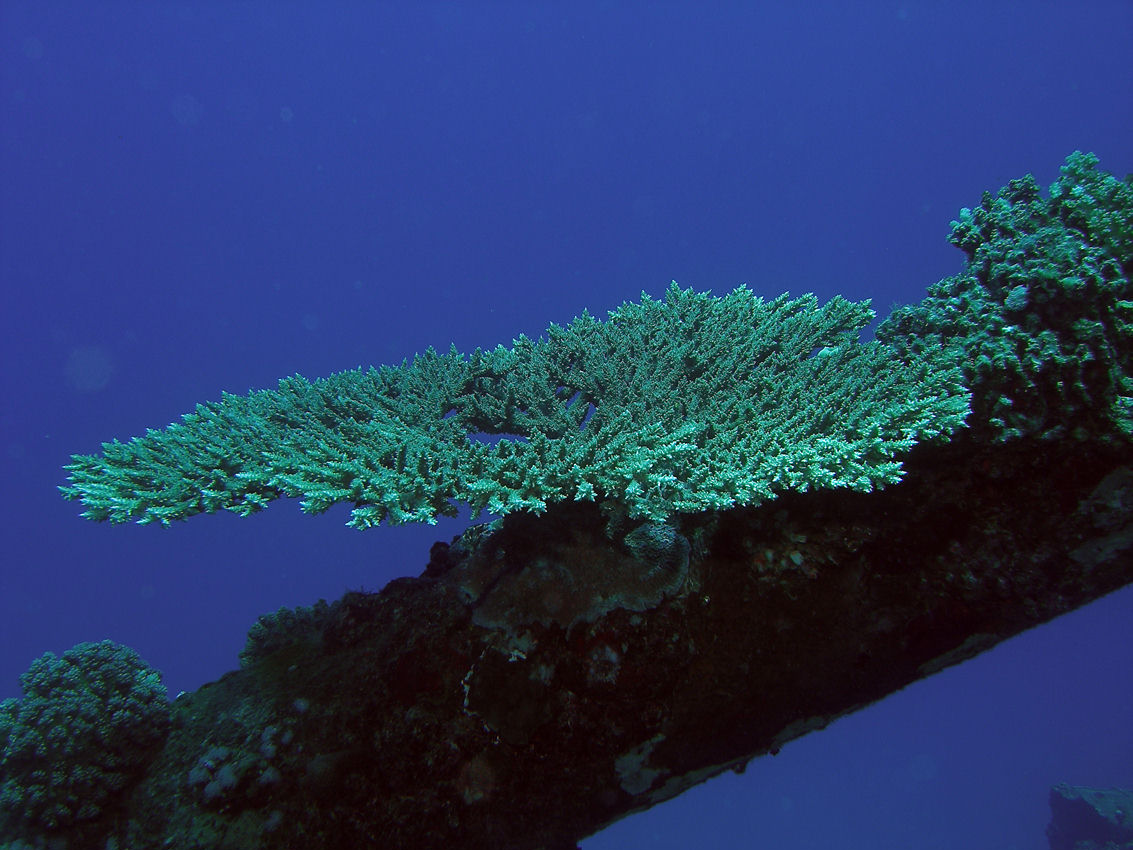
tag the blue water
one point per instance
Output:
(202, 197)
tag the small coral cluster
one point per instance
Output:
(285, 627)
(1041, 319)
(222, 773)
(87, 726)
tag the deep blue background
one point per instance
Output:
(207, 197)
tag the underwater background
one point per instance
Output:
(207, 197)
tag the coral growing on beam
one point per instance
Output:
(688, 404)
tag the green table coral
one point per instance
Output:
(687, 404)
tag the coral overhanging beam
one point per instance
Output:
(643, 619)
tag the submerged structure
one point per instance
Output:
(724, 522)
